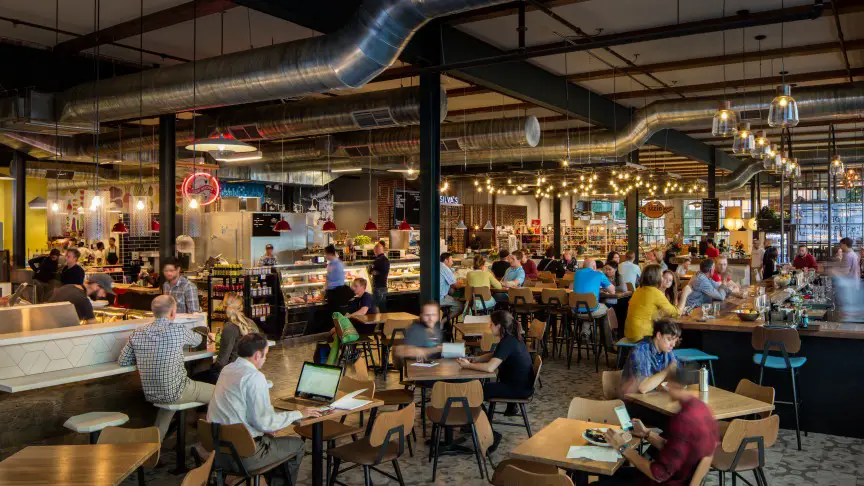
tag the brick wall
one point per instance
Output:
(129, 244)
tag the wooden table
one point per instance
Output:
(472, 329)
(384, 317)
(723, 404)
(447, 369)
(550, 446)
(294, 403)
(73, 465)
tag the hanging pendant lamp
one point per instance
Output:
(838, 168)
(783, 111)
(744, 141)
(762, 150)
(220, 144)
(461, 225)
(725, 121)
(120, 227)
(329, 226)
(370, 226)
(282, 226)
(488, 225)
(404, 226)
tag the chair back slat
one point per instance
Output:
(611, 384)
(563, 283)
(200, 476)
(569, 276)
(120, 435)
(391, 325)
(348, 385)
(545, 285)
(487, 340)
(599, 411)
(631, 288)
(512, 475)
(757, 392)
(483, 292)
(553, 296)
(358, 370)
(471, 390)
(521, 295)
(536, 329)
(788, 337)
(545, 276)
(701, 471)
(235, 434)
(387, 421)
(484, 433)
(741, 429)
(588, 299)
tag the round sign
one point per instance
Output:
(201, 184)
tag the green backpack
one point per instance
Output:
(349, 335)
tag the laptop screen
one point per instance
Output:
(318, 381)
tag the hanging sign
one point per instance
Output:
(202, 184)
(59, 174)
(655, 209)
(449, 200)
(710, 215)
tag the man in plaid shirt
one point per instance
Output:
(179, 287)
(157, 350)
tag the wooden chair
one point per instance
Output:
(235, 441)
(118, 435)
(541, 284)
(200, 476)
(455, 405)
(522, 305)
(562, 283)
(611, 381)
(523, 473)
(537, 365)
(557, 316)
(478, 295)
(385, 443)
(743, 448)
(749, 389)
(599, 411)
(582, 313)
(392, 327)
(546, 276)
(534, 337)
(701, 471)
(630, 287)
(775, 350)
(621, 343)
(348, 351)
(473, 341)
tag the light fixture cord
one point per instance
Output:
(723, 15)
(370, 173)
(141, 98)
(782, 56)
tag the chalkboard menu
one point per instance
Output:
(263, 223)
(710, 215)
(406, 205)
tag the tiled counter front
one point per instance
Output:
(60, 353)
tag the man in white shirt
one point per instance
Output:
(756, 261)
(242, 397)
(628, 271)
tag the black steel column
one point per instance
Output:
(19, 210)
(753, 203)
(167, 173)
(556, 225)
(521, 28)
(430, 180)
(712, 180)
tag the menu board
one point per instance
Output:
(263, 223)
(406, 205)
(710, 215)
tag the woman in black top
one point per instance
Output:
(549, 263)
(510, 359)
(769, 263)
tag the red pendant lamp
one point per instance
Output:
(404, 226)
(329, 227)
(370, 226)
(282, 226)
(154, 226)
(119, 227)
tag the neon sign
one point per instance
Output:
(202, 184)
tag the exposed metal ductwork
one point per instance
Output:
(740, 176)
(349, 58)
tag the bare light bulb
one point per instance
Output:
(193, 204)
(139, 205)
(55, 207)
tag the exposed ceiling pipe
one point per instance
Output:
(349, 58)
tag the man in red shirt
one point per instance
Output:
(529, 266)
(711, 251)
(804, 259)
(690, 435)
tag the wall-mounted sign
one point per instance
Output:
(59, 174)
(655, 209)
(203, 185)
(406, 205)
(449, 200)
(711, 215)
(263, 223)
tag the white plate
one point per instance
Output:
(98, 304)
(599, 444)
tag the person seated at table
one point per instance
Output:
(613, 256)
(769, 262)
(804, 260)
(449, 285)
(610, 269)
(568, 264)
(234, 328)
(683, 267)
(721, 272)
(480, 277)
(549, 263)
(647, 301)
(500, 267)
(98, 286)
(362, 303)
(242, 396)
(515, 275)
(529, 266)
(589, 281)
(704, 290)
(157, 350)
(670, 287)
(690, 435)
(628, 271)
(651, 359)
(423, 337)
(653, 257)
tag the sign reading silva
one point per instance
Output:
(203, 185)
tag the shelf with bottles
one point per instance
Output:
(260, 312)
(219, 291)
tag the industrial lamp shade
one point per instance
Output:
(725, 120)
(461, 225)
(220, 143)
(488, 225)
(783, 111)
(282, 226)
(744, 142)
(120, 227)
(404, 226)
(370, 226)
(38, 203)
(329, 227)
(762, 149)
(838, 168)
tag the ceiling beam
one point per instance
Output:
(503, 10)
(148, 23)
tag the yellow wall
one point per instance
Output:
(37, 226)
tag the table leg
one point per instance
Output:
(580, 478)
(318, 454)
(181, 443)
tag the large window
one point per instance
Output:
(652, 231)
(810, 214)
(692, 219)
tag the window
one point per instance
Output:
(810, 214)
(652, 231)
(692, 219)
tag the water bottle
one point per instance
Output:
(703, 380)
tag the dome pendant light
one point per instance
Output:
(282, 226)
(744, 142)
(329, 226)
(783, 111)
(120, 227)
(370, 226)
(725, 120)
(220, 145)
(762, 150)
(404, 226)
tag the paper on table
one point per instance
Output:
(593, 453)
(348, 402)
(424, 365)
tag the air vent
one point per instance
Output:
(246, 132)
(362, 151)
(373, 118)
(450, 145)
(750, 115)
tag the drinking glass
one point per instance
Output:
(706, 311)
(716, 311)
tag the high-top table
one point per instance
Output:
(75, 465)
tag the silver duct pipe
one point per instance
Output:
(276, 174)
(348, 58)
(88, 183)
(740, 176)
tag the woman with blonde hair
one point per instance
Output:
(235, 327)
(480, 277)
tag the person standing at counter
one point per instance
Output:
(449, 284)
(268, 259)
(98, 286)
(185, 293)
(711, 251)
(500, 267)
(804, 259)
(99, 254)
(157, 350)
(529, 266)
(72, 273)
(769, 262)
(628, 271)
(756, 261)
(45, 269)
(515, 275)
(704, 290)
(112, 253)
(380, 272)
(849, 266)
(338, 294)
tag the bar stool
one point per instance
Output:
(787, 342)
(582, 305)
(94, 422)
(181, 429)
(557, 313)
(522, 305)
(693, 355)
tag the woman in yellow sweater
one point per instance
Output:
(480, 277)
(649, 303)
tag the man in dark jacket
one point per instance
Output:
(45, 268)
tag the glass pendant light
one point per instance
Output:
(744, 142)
(140, 221)
(778, 163)
(725, 120)
(762, 150)
(768, 161)
(783, 111)
(838, 168)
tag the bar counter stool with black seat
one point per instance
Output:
(537, 365)
(775, 350)
(385, 443)
(147, 435)
(456, 405)
(557, 315)
(742, 449)
(180, 417)
(582, 313)
(522, 305)
(235, 441)
(348, 352)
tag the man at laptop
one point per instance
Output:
(242, 397)
(423, 337)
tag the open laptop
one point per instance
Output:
(318, 382)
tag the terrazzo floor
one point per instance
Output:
(825, 460)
